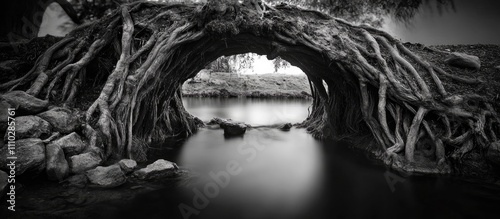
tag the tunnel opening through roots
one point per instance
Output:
(377, 87)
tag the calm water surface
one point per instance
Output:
(292, 175)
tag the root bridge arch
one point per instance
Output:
(376, 85)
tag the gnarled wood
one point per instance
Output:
(163, 45)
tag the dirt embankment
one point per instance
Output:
(254, 86)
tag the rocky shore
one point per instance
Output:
(45, 141)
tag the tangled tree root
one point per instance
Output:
(370, 76)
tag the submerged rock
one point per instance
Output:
(57, 165)
(286, 127)
(233, 128)
(159, 169)
(62, 119)
(30, 155)
(72, 144)
(83, 162)
(31, 127)
(25, 102)
(127, 165)
(79, 180)
(462, 60)
(107, 177)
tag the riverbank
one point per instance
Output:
(219, 84)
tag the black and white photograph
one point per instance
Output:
(249, 109)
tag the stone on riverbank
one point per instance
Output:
(71, 144)
(107, 177)
(30, 155)
(31, 127)
(62, 119)
(57, 165)
(4, 115)
(25, 102)
(159, 169)
(127, 165)
(83, 162)
(3, 181)
(462, 60)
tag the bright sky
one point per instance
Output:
(264, 66)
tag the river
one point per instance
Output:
(292, 175)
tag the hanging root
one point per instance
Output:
(402, 97)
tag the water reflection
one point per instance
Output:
(251, 111)
(280, 172)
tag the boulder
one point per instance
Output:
(83, 162)
(79, 181)
(286, 127)
(3, 181)
(233, 128)
(31, 127)
(30, 155)
(493, 153)
(127, 165)
(57, 166)
(159, 169)
(462, 60)
(62, 119)
(25, 102)
(4, 115)
(107, 177)
(71, 144)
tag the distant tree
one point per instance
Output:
(280, 63)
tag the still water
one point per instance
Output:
(269, 173)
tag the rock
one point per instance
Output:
(493, 153)
(4, 115)
(462, 60)
(72, 144)
(127, 165)
(31, 127)
(3, 181)
(286, 127)
(30, 155)
(79, 180)
(233, 128)
(25, 102)
(83, 162)
(57, 165)
(107, 177)
(159, 169)
(62, 119)
(497, 67)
